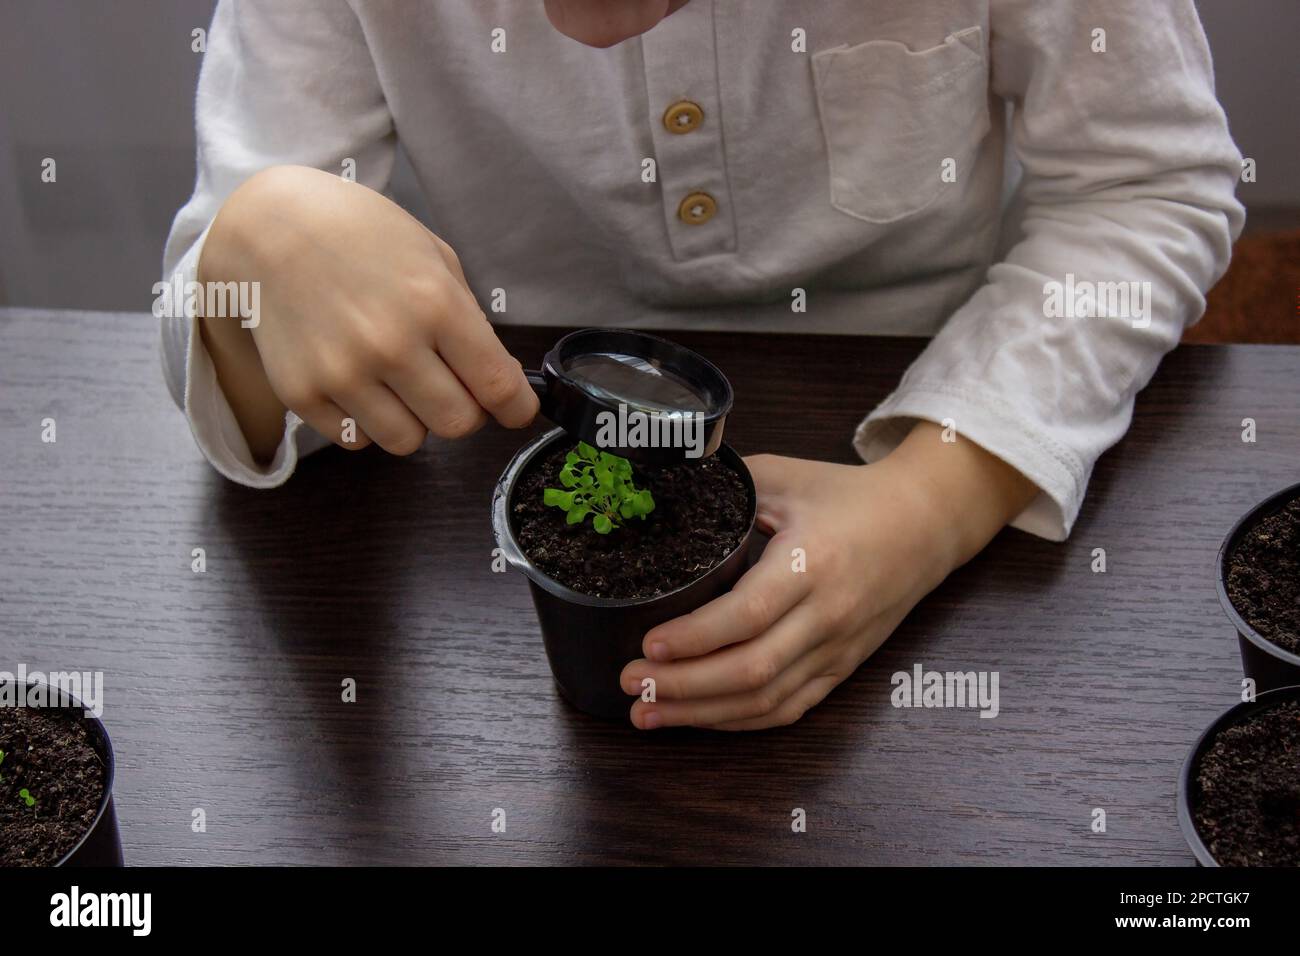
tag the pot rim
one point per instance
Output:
(515, 557)
(1230, 717)
(110, 763)
(1263, 509)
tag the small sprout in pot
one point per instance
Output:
(599, 484)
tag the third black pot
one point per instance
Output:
(589, 640)
(1267, 664)
(101, 844)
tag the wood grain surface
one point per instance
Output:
(223, 688)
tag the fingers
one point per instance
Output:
(331, 421)
(759, 705)
(764, 593)
(384, 417)
(791, 709)
(429, 389)
(492, 375)
(749, 666)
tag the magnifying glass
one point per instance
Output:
(634, 395)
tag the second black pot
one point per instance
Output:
(1189, 792)
(589, 640)
(1264, 662)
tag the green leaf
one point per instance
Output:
(587, 452)
(571, 458)
(602, 524)
(557, 498)
(627, 509)
(567, 479)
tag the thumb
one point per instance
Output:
(773, 477)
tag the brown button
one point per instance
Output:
(697, 208)
(683, 116)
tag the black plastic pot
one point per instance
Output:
(1188, 792)
(1268, 665)
(589, 640)
(101, 844)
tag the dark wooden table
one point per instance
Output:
(223, 688)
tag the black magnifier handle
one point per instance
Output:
(543, 391)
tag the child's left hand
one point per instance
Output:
(854, 548)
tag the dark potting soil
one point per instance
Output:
(1264, 577)
(1248, 809)
(701, 513)
(48, 752)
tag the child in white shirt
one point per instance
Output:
(692, 163)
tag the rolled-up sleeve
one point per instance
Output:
(282, 82)
(1129, 180)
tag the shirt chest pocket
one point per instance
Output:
(895, 120)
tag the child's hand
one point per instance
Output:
(365, 314)
(875, 540)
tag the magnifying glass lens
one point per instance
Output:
(638, 382)
(643, 382)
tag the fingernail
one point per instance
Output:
(652, 721)
(658, 651)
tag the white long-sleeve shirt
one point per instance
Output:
(852, 149)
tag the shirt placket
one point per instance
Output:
(681, 72)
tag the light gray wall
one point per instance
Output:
(107, 89)
(1255, 56)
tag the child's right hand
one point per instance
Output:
(364, 314)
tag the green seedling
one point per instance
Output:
(599, 484)
(26, 797)
(2, 760)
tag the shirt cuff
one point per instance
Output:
(218, 434)
(994, 426)
(193, 383)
